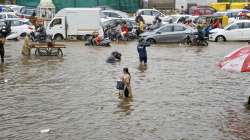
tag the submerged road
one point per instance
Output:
(181, 96)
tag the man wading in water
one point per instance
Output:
(2, 41)
(142, 51)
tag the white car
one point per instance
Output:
(20, 27)
(6, 8)
(16, 8)
(115, 14)
(6, 16)
(179, 18)
(239, 30)
(150, 14)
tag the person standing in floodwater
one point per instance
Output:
(2, 52)
(126, 78)
(26, 46)
(142, 51)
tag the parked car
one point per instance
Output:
(21, 26)
(6, 9)
(115, 14)
(149, 15)
(239, 30)
(16, 8)
(113, 22)
(27, 13)
(169, 33)
(179, 18)
(6, 16)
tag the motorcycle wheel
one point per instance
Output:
(204, 43)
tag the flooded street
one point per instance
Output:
(181, 96)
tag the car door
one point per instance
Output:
(15, 27)
(246, 31)
(165, 34)
(234, 31)
(179, 33)
(147, 16)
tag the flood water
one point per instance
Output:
(182, 95)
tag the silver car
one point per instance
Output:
(169, 33)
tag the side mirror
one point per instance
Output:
(158, 32)
(119, 17)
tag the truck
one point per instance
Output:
(74, 22)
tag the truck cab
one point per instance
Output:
(57, 28)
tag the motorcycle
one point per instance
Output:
(40, 36)
(105, 42)
(196, 40)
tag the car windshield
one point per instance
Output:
(124, 15)
(26, 22)
(219, 14)
(174, 18)
(30, 11)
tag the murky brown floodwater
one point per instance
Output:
(181, 96)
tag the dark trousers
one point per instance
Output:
(144, 59)
(2, 54)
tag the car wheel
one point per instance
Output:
(58, 37)
(220, 38)
(151, 41)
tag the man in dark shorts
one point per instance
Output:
(142, 51)
(2, 41)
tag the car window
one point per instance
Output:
(27, 23)
(167, 29)
(106, 14)
(15, 23)
(114, 15)
(7, 9)
(178, 28)
(209, 12)
(147, 12)
(235, 26)
(247, 25)
(57, 21)
(155, 13)
(11, 16)
(2, 16)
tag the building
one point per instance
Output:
(188, 3)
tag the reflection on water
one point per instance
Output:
(125, 105)
(181, 94)
(142, 68)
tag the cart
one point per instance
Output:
(48, 49)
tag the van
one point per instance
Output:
(74, 22)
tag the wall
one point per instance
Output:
(161, 4)
(124, 5)
(179, 3)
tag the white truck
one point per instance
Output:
(74, 22)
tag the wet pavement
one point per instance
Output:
(182, 95)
